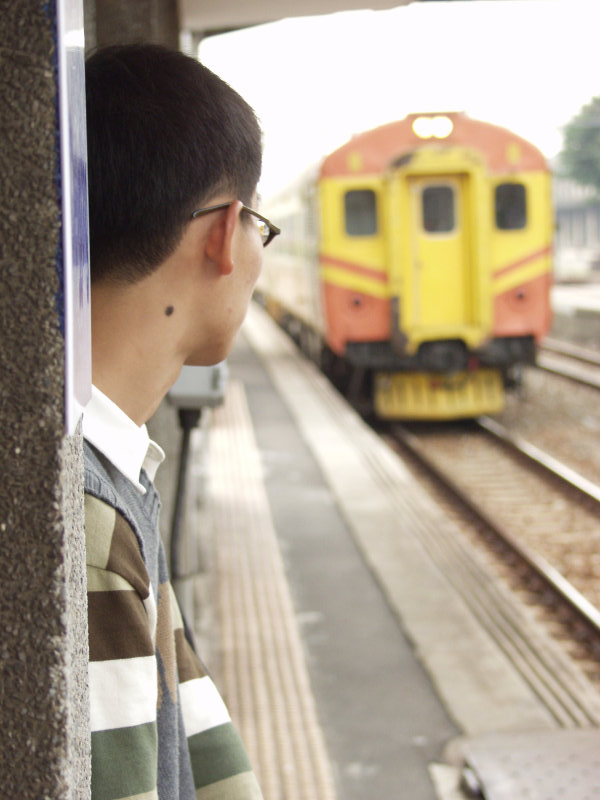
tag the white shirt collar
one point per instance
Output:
(127, 445)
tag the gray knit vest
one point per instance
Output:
(104, 481)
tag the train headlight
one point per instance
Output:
(438, 127)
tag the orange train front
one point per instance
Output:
(420, 254)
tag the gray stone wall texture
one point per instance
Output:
(44, 732)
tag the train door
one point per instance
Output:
(441, 263)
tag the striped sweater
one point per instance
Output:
(159, 726)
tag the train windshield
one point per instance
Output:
(361, 212)
(438, 209)
(511, 208)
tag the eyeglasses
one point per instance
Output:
(267, 230)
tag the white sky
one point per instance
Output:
(528, 65)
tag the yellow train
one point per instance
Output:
(418, 256)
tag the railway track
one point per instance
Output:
(579, 364)
(542, 524)
(547, 621)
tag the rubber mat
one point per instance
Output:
(542, 765)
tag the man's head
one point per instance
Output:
(165, 135)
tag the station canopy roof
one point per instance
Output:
(206, 16)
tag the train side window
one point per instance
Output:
(438, 209)
(511, 206)
(360, 212)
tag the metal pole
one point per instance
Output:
(188, 420)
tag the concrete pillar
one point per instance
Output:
(120, 22)
(44, 731)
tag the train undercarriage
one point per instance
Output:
(442, 380)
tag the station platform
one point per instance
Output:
(316, 576)
(571, 298)
(576, 313)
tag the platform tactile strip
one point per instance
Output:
(265, 679)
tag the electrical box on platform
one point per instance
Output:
(200, 387)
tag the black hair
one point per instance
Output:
(164, 135)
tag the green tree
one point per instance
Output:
(580, 156)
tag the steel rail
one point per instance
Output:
(551, 465)
(585, 611)
(572, 350)
(570, 361)
(550, 678)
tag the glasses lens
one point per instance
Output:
(263, 229)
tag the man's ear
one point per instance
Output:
(219, 240)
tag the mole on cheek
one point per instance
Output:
(169, 310)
